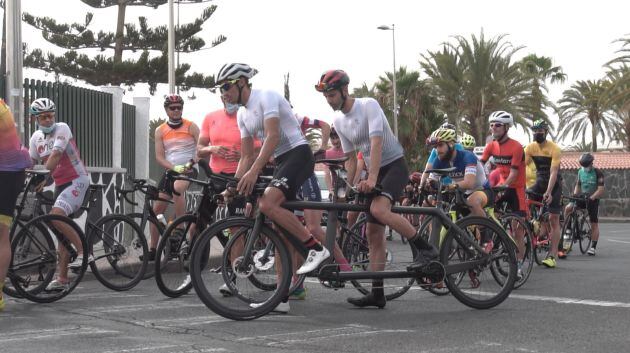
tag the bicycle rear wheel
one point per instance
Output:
(398, 257)
(482, 291)
(173, 251)
(585, 231)
(34, 269)
(117, 245)
(214, 264)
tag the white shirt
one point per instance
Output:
(365, 120)
(262, 105)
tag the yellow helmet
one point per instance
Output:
(442, 135)
(468, 141)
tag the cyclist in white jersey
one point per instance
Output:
(362, 125)
(53, 145)
(266, 115)
(175, 146)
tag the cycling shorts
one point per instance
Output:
(69, 196)
(12, 184)
(392, 179)
(556, 194)
(293, 168)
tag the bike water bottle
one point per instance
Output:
(161, 219)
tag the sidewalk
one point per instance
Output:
(614, 219)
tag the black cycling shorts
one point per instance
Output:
(293, 168)
(592, 206)
(392, 179)
(167, 188)
(556, 203)
(12, 184)
(514, 200)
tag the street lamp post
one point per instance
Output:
(394, 105)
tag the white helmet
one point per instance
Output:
(235, 70)
(42, 105)
(501, 117)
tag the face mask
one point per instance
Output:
(174, 124)
(539, 137)
(231, 108)
(587, 169)
(47, 130)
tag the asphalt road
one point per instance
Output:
(581, 306)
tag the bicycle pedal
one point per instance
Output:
(431, 273)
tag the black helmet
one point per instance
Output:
(586, 160)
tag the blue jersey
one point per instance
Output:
(465, 162)
(433, 156)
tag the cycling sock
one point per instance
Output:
(594, 244)
(344, 265)
(377, 289)
(313, 244)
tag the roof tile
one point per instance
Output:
(603, 160)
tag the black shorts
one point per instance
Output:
(293, 168)
(12, 183)
(592, 206)
(165, 187)
(556, 203)
(514, 200)
(392, 179)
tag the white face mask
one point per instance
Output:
(231, 108)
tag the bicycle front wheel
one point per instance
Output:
(469, 276)
(34, 269)
(172, 255)
(119, 251)
(569, 232)
(517, 229)
(398, 256)
(215, 266)
(585, 231)
(146, 233)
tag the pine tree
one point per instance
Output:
(103, 69)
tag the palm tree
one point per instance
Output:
(585, 106)
(540, 69)
(619, 93)
(476, 77)
(417, 115)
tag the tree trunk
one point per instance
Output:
(594, 135)
(120, 27)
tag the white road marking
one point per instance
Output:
(182, 348)
(618, 241)
(563, 300)
(52, 333)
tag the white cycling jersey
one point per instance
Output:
(262, 105)
(365, 120)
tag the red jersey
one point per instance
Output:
(507, 155)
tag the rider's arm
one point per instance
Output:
(600, 186)
(247, 156)
(470, 178)
(376, 149)
(159, 151)
(272, 138)
(518, 157)
(425, 175)
(360, 167)
(325, 127)
(194, 131)
(203, 148)
(63, 135)
(578, 187)
(554, 169)
(351, 167)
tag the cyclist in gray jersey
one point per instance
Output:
(268, 116)
(361, 125)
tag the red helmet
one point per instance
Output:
(331, 80)
(173, 99)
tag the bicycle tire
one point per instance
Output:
(117, 263)
(569, 232)
(355, 250)
(586, 232)
(146, 233)
(542, 244)
(507, 221)
(174, 250)
(42, 295)
(208, 275)
(503, 248)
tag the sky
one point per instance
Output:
(305, 38)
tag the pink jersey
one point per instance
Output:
(70, 166)
(221, 129)
(333, 153)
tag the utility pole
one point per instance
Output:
(15, 56)
(171, 48)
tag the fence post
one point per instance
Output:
(117, 109)
(142, 136)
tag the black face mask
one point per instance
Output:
(540, 137)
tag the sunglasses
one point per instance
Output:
(227, 85)
(175, 108)
(432, 141)
(493, 125)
